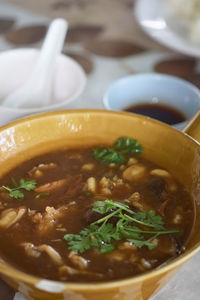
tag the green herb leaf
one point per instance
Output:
(128, 145)
(139, 243)
(16, 192)
(108, 155)
(78, 243)
(151, 219)
(122, 147)
(28, 185)
(104, 235)
(105, 248)
(103, 207)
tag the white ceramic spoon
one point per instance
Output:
(37, 90)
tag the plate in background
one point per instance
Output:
(156, 21)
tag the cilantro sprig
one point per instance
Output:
(128, 145)
(148, 218)
(17, 191)
(107, 155)
(130, 226)
(122, 147)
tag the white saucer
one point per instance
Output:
(155, 21)
(17, 65)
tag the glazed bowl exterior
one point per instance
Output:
(164, 145)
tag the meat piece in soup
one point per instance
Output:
(94, 214)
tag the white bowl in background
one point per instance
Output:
(16, 66)
(145, 88)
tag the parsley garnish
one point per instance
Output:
(117, 154)
(107, 155)
(128, 145)
(103, 235)
(16, 192)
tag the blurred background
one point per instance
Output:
(107, 38)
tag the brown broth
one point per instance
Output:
(153, 190)
(159, 112)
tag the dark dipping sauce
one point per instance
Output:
(159, 112)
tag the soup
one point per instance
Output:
(92, 215)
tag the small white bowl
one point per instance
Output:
(15, 67)
(150, 88)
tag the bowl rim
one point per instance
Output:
(12, 272)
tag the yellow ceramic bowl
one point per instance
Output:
(163, 145)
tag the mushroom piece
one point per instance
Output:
(132, 161)
(127, 246)
(48, 220)
(31, 250)
(92, 184)
(78, 260)
(10, 216)
(70, 186)
(87, 167)
(134, 172)
(52, 186)
(66, 270)
(37, 170)
(35, 251)
(160, 172)
(116, 255)
(145, 264)
(52, 253)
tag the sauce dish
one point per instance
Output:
(153, 89)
